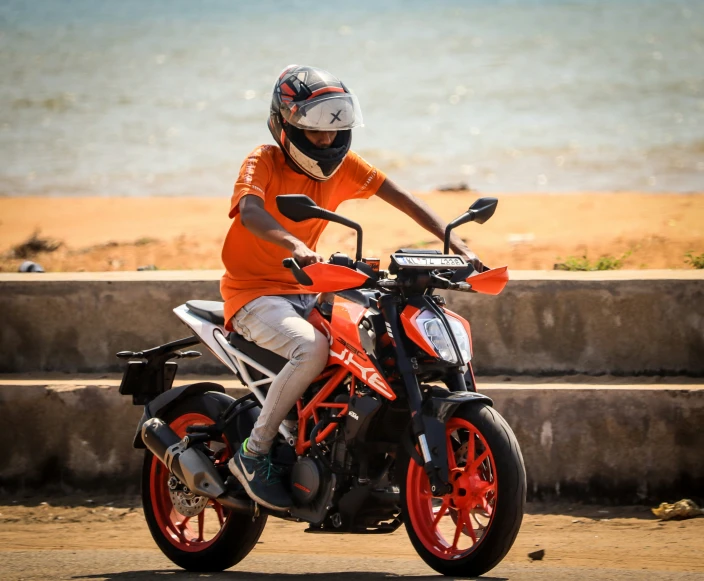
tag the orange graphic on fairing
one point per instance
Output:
(346, 356)
(346, 348)
(410, 326)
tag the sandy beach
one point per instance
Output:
(528, 231)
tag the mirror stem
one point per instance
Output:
(463, 219)
(332, 217)
(357, 228)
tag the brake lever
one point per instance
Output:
(464, 273)
(461, 274)
(440, 282)
(297, 271)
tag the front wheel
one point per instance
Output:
(468, 531)
(194, 532)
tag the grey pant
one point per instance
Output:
(273, 323)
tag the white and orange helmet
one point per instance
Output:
(313, 99)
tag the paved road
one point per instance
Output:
(150, 565)
(106, 540)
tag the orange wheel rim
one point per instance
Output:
(190, 534)
(454, 525)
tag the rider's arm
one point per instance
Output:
(263, 225)
(424, 216)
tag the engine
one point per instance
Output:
(305, 481)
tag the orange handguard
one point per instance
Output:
(491, 282)
(330, 278)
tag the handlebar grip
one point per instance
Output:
(298, 273)
(463, 273)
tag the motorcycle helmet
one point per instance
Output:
(313, 99)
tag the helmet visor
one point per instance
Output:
(327, 112)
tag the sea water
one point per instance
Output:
(166, 97)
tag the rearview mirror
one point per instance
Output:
(483, 209)
(480, 211)
(298, 207)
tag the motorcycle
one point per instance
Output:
(392, 432)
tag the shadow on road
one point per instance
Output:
(168, 575)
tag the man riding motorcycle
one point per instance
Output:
(311, 118)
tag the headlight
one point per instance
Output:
(436, 333)
(462, 339)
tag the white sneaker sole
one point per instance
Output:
(237, 473)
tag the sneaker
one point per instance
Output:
(260, 478)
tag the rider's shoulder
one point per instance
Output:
(264, 157)
(353, 158)
(266, 150)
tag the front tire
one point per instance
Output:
(469, 531)
(216, 538)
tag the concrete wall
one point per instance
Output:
(632, 444)
(77, 322)
(618, 323)
(644, 322)
(612, 444)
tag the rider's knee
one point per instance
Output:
(322, 349)
(314, 350)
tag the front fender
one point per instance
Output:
(441, 403)
(437, 409)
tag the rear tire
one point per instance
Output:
(219, 538)
(469, 531)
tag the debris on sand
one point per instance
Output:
(147, 267)
(29, 266)
(537, 555)
(34, 245)
(460, 187)
(681, 509)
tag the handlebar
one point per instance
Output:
(436, 281)
(393, 284)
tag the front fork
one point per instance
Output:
(428, 419)
(428, 431)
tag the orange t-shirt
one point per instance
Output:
(254, 265)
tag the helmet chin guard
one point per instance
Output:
(306, 98)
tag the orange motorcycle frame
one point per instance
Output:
(347, 358)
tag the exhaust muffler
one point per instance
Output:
(189, 465)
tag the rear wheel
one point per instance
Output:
(468, 531)
(194, 532)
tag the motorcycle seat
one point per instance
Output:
(268, 359)
(212, 311)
